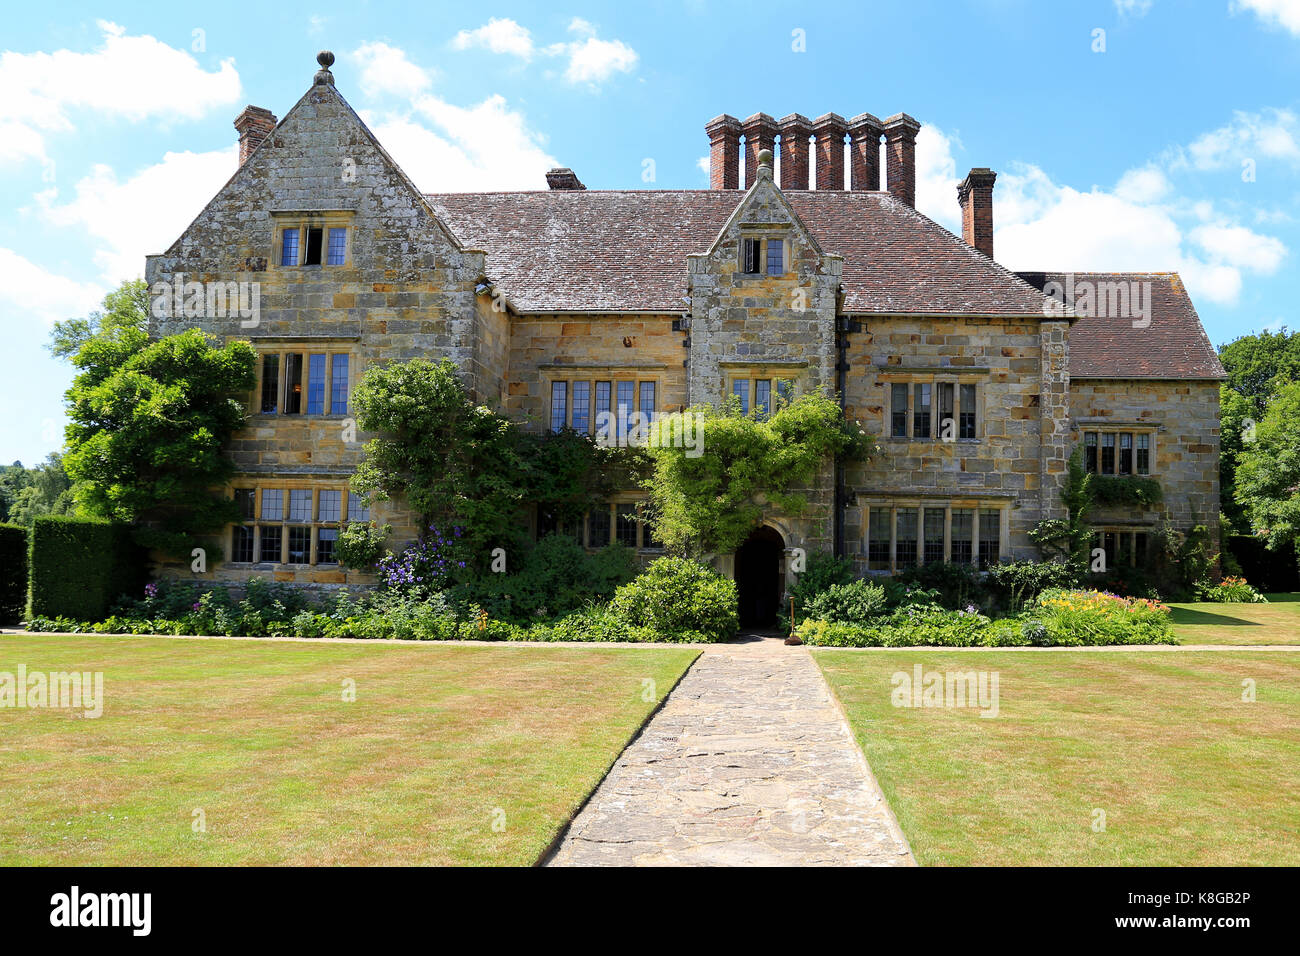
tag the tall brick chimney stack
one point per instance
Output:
(724, 152)
(900, 156)
(795, 131)
(975, 194)
(864, 152)
(760, 134)
(254, 125)
(829, 129)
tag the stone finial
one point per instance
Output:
(764, 164)
(326, 59)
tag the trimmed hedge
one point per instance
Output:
(81, 566)
(13, 573)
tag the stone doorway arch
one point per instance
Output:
(758, 572)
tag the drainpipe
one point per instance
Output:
(843, 327)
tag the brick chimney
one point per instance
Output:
(975, 195)
(795, 130)
(900, 156)
(254, 125)
(724, 152)
(561, 177)
(760, 134)
(864, 152)
(829, 130)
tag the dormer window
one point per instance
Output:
(759, 256)
(313, 247)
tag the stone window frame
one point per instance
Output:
(257, 522)
(957, 379)
(642, 542)
(638, 378)
(920, 505)
(302, 220)
(781, 234)
(327, 348)
(1117, 429)
(1134, 533)
(752, 377)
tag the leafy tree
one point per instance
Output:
(48, 491)
(707, 496)
(1258, 365)
(1237, 426)
(1268, 471)
(149, 421)
(125, 309)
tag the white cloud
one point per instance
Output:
(1272, 134)
(1133, 8)
(448, 148)
(498, 35)
(1041, 225)
(143, 214)
(705, 165)
(1144, 184)
(32, 292)
(936, 177)
(1282, 13)
(120, 80)
(386, 70)
(591, 60)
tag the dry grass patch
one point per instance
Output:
(1277, 622)
(1188, 774)
(256, 734)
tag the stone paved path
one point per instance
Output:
(748, 763)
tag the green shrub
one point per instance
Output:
(1016, 583)
(80, 567)
(556, 577)
(958, 584)
(361, 544)
(13, 573)
(679, 597)
(823, 570)
(857, 602)
(1231, 590)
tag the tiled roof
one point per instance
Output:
(594, 250)
(1174, 345)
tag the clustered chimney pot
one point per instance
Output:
(760, 134)
(254, 125)
(795, 132)
(724, 152)
(829, 128)
(864, 152)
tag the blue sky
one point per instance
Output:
(1168, 141)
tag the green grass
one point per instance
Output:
(1188, 774)
(1277, 622)
(256, 735)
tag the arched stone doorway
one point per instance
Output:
(758, 577)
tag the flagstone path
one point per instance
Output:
(749, 762)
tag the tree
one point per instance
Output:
(1236, 427)
(47, 491)
(1268, 471)
(1258, 365)
(125, 309)
(707, 495)
(149, 422)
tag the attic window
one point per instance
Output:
(751, 255)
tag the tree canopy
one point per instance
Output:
(1268, 471)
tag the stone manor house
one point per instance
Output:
(558, 305)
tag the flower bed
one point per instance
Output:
(1057, 618)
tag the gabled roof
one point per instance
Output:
(625, 250)
(1173, 346)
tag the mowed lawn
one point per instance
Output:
(449, 754)
(1277, 622)
(1187, 773)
